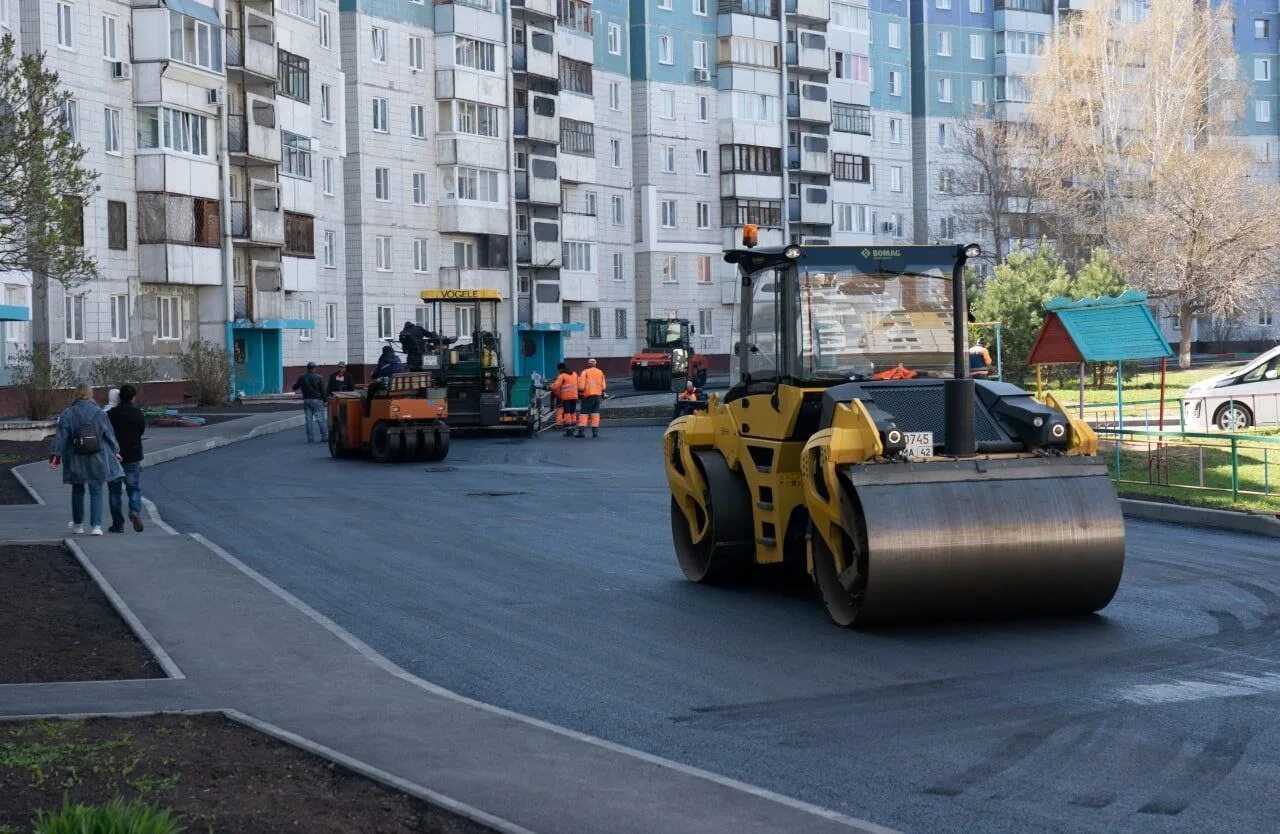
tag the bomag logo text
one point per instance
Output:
(882, 253)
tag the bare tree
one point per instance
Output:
(1141, 114)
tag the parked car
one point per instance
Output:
(1240, 398)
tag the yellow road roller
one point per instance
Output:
(854, 446)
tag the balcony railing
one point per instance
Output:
(1041, 6)
(755, 8)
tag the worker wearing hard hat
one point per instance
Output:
(591, 387)
(565, 389)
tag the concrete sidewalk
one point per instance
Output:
(244, 645)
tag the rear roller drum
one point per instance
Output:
(638, 379)
(720, 549)
(338, 441)
(438, 448)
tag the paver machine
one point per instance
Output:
(905, 490)
(481, 395)
(668, 357)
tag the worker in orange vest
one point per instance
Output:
(565, 389)
(591, 387)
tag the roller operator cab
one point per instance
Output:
(853, 447)
(668, 358)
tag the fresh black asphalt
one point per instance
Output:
(538, 575)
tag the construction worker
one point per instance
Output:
(980, 360)
(591, 387)
(688, 399)
(565, 389)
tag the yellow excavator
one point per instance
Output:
(853, 445)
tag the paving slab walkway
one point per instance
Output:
(244, 645)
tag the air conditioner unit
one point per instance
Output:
(120, 70)
(703, 75)
(217, 96)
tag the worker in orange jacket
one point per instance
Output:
(565, 389)
(591, 387)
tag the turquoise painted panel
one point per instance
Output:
(1111, 329)
(11, 312)
(396, 11)
(612, 12)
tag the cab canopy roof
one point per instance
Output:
(866, 259)
(460, 295)
(1103, 329)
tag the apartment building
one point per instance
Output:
(286, 177)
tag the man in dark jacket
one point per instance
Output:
(388, 364)
(128, 424)
(311, 384)
(339, 381)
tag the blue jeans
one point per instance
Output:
(130, 484)
(95, 503)
(314, 410)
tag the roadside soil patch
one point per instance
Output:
(57, 625)
(218, 776)
(16, 453)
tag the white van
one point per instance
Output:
(1240, 398)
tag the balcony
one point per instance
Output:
(542, 122)
(542, 247)
(809, 53)
(810, 105)
(1038, 6)
(545, 8)
(812, 9)
(541, 57)
(251, 49)
(458, 278)
(255, 135)
(814, 159)
(258, 221)
(755, 8)
(813, 208)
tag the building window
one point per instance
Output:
(700, 7)
(615, 39)
(380, 115)
(736, 212)
(295, 155)
(417, 53)
(420, 259)
(384, 322)
(575, 77)
(579, 256)
(474, 118)
(944, 90)
(593, 323)
(1264, 317)
(851, 118)
(299, 235)
(468, 52)
(978, 92)
(194, 42)
(117, 225)
(73, 311)
(895, 35)
(666, 50)
(942, 135)
(665, 5)
(615, 95)
(326, 30)
(65, 26)
(379, 45)
(329, 249)
(331, 322)
(1261, 27)
(173, 130)
(895, 178)
(577, 137)
(620, 324)
(895, 131)
(851, 167)
(669, 158)
(1012, 88)
(417, 121)
(615, 153)
(895, 82)
(670, 263)
(206, 216)
(1261, 69)
(704, 108)
(304, 313)
(702, 160)
(326, 103)
(108, 35)
(975, 7)
(382, 184)
(419, 188)
(700, 55)
(326, 168)
(703, 265)
(667, 104)
(668, 214)
(382, 253)
(69, 116)
(1262, 110)
(977, 47)
(704, 215)
(946, 180)
(706, 322)
(750, 159)
(111, 130)
(168, 318)
(943, 4)
(849, 16)
(295, 77)
(616, 202)
(843, 217)
(617, 266)
(1019, 43)
(465, 183)
(944, 44)
(119, 318)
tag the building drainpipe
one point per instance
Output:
(228, 269)
(783, 120)
(515, 352)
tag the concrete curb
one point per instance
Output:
(35, 496)
(197, 446)
(1201, 517)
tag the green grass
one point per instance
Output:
(1179, 477)
(53, 756)
(116, 817)
(7, 459)
(1139, 387)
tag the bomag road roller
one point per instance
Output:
(905, 490)
(399, 419)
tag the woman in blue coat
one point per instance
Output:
(81, 426)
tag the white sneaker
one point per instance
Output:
(75, 528)
(96, 531)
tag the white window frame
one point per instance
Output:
(615, 153)
(419, 182)
(110, 47)
(666, 50)
(168, 318)
(304, 312)
(670, 269)
(944, 44)
(895, 178)
(326, 175)
(378, 39)
(615, 96)
(945, 92)
(73, 318)
(895, 82)
(669, 159)
(669, 214)
(329, 249)
(326, 103)
(119, 305)
(1261, 69)
(977, 47)
(111, 122)
(976, 7)
(704, 215)
(943, 4)
(615, 39)
(421, 254)
(382, 184)
(381, 115)
(978, 92)
(667, 104)
(700, 8)
(664, 5)
(1261, 110)
(702, 162)
(331, 322)
(617, 266)
(325, 23)
(66, 26)
(418, 121)
(417, 53)
(895, 131)
(386, 315)
(700, 55)
(704, 272)
(617, 210)
(382, 253)
(704, 108)
(895, 35)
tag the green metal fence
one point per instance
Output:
(1241, 464)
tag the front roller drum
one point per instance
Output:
(718, 546)
(1030, 537)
